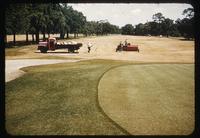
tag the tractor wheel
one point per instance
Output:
(43, 50)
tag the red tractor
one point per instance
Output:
(127, 47)
(52, 44)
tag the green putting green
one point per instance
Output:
(150, 99)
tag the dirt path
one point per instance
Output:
(13, 71)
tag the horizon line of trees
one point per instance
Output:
(164, 26)
(62, 19)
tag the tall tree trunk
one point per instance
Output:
(67, 34)
(48, 35)
(44, 36)
(74, 35)
(14, 39)
(33, 38)
(62, 35)
(37, 36)
(26, 36)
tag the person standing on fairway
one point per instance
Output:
(126, 43)
(89, 46)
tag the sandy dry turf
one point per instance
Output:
(13, 71)
(150, 99)
(152, 49)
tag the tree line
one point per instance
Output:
(52, 18)
(164, 26)
(62, 19)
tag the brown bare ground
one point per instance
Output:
(152, 49)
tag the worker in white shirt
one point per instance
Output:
(89, 46)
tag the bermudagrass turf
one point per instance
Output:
(58, 99)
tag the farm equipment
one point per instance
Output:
(52, 44)
(127, 47)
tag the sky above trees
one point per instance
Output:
(122, 14)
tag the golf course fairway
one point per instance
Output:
(101, 97)
(59, 99)
(150, 99)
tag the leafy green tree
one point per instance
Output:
(15, 19)
(37, 18)
(153, 28)
(189, 12)
(59, 19)
(140, 29)
(26, 26)
(66, 10)
(185, 26)
(77, 21)
(115, 29)
(158, 18)
(89, 29)
(62, 26)
(174, 31)
(128, 29)
(93, 27)
(107, 28)
(166, 27)
(160, 25)
(99, 28)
